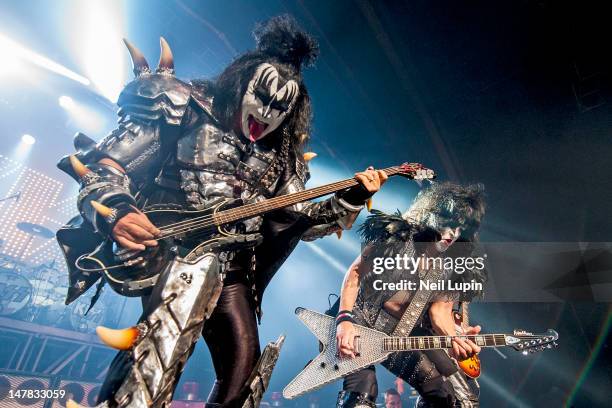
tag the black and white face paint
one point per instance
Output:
(266, 102)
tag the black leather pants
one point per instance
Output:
(233, 340)
(427, 372)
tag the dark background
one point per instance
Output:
(513, 94)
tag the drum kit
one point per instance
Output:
(36, 293)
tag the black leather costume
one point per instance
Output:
(176, 146)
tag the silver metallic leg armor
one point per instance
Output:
(260, 377)
(182, 301)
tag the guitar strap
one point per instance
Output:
(465, 321)
(417, 304)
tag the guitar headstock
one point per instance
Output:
(532, 343)
(415, 171)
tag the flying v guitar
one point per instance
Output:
(373, 347)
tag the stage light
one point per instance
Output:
(82, 117)
(96, 37)
(11, 51)
(66, 102)
(28, 139)
(23, 148)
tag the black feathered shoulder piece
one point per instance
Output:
(281, 37)
(379, 227)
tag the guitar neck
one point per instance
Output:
(262, 207)
(440, 342)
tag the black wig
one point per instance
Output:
(281, 42)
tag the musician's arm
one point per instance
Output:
(116, 166)
(338, 212)
(350, 286)
(345, 332)
(441, 317)
(443, 324)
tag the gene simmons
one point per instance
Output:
(188, 144)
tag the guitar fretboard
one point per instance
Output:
(262, 207)
(437, 342)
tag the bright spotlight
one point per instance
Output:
(23, 148)
(12, 50)
(81, 116)
(96, 37)
(28, 139)
(66, 102)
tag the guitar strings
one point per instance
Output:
(243, 212)
(281, 199)
(262, 204)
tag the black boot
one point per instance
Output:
(350, 399)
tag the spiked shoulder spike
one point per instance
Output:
(166, 60)
(139, 62)
(102, 209)
(308, 156)
(79, 168)
(122, 339)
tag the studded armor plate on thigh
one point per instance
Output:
(180, 304)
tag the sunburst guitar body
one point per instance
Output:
(470, 366)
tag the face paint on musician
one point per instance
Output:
(266, 103)
(448, 237)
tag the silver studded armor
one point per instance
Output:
(173, 150)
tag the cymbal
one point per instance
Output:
(35, 229)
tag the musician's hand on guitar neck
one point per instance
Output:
(464, 348)
(134, 231)
(370, 181)
(345, 339)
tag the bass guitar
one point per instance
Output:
(373, 346)
(207, 227)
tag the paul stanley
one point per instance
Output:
(443, 219)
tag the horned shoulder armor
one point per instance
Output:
(151, 111)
